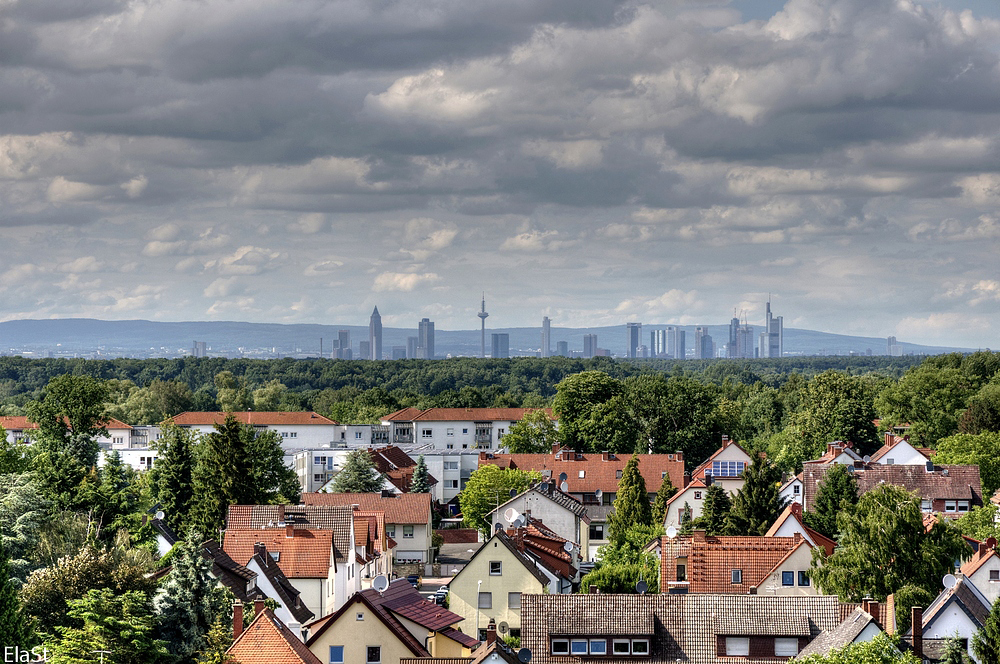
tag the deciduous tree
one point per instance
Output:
(534, 434)
(837, 406)
(488, 487)
(981, 450)
(70, 416)
(880, 650)
(838, 492)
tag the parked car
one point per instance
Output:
(440, 595)
(414, 580)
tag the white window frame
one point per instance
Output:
(450, 431)
(337, 661)
(640, 646)
(738, 646)
(408, 535)
(796, 489)
(736, 576)
(498, 567)
(926, 505)
(615, 643)
(786, 646)
(514, 600)
(951, 506)
(427, 433)
(787, 574)
(559, 646)
(369, 660)
(578, 647)
(963, 506)
(602, 647)
(583, 474)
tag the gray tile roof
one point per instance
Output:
(683, 626)
(840, 636)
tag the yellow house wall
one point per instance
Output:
(800, 560)
(356, 635)
(463, 597)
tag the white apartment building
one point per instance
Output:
(453, 428)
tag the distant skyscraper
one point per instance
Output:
(893, 348)
(399, 352)
(633, 338)
(562, 348)
(375, 335)
(546, 337)
(589, 345)
(659, 346)
(425, 340)
(344, 343)
(199, 349)
(482, 318)
(675, 342)
(411, 347)
(703, 345)
(364, 350)
(500, 345)
(771, 341)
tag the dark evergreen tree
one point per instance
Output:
(838, 492)
(358, 475)
(271, 480)
(714, 511)
(217, 642)
(173, 474)
(759, 502)
(954, 653)
(421, 478)
(221, 477)
(121, 625)
(14, 624)
(190, 602)
(665, 493)
(631, 507)
(986, 642)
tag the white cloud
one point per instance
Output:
(403, 282)
(530, 241)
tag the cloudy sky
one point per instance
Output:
(596, 161)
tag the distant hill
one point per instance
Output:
(143, 338)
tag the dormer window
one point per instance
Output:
(736, 576)
(275, 555)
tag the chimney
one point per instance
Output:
(890, 615)
(237, 619)
(698, 535)
(491, 632)
(593, 590)
(289, 530)
(260, 549)
(679, 455)
(725, 440)
(889, 438)
(555, 447)
(875, 609)
(605, 456)
(258, 606)
(917, 625)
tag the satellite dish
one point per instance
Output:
(564, 487)
(671, 532)
(867, 458)
(544, 486)
(641, 587)
(503, 628)
(524, 655)
(598, 493)
(497, 528)
(380, 583)
(991, 542)
(949, 580)
(563, 477)
(568, 547)
(160, 515)
(850, 470)
(513, 492)
(518, 522)
(510, 514)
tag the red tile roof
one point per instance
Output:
(307, 555)
(376, 521)
(980, 558)
(262, 418)
(268, 641)
(599, 472)
(389, 457)
(463, 414)
(711, 559)
(400, 508)
(21, 422)
(336, 519)
(699, 472)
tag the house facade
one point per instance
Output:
(560, 512)
(453, 428)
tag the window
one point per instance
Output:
(293, 434)
(578, 647)
(618, 474)
(496, 568)
(500, 433)
(738, 645)
(374, 655)
(357, 435)
(583, 473)
(451, 465)
(728, 468)
(963, 506)
(359, 616)
(513, 600)
(426, 433)
(682, 572)
(275, 555)
(736, 576)
(450, 446)
(796, 489)
(803, 578)
(560, 647)
(788, 578)
(319, 477)
(336, 654)
(485, 600)
(663, 474)
(390, 531)
(451, 484)
(697, 495)
(465, 431)
(995, 575)
(596, 531)
(598, 647)
(640, 646)
(925, 505)
(319, 461)
(621, 647)
(450, 431)
(786, 646)
(890, 462)
(950, 505)
(407, 531)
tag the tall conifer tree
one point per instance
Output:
(837, 493)
(759, 502)
(714, 510)
(221, 477)
(986, 642)
(173, 474)
(421, 478)
(631, 504)
(358, 475)
(14, 624)
(665, 493)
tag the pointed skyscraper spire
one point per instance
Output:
(375, 335)
(482, 317)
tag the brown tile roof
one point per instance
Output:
(503, 653)
(959, 482)
(288, 595)
(389, 457)
(230, 573)
(699, 472)
(466, 640)
(682, 627)
(336, 519)
(268, 641)
(458, 535)
(262, 418)
(711, 559)
(544, 545)
(840, 636)
(307, 555)
(21, 422)
(400, 508)
(599, 472)
(979, 559)
(549, 490)
(970, 601)
(376, 524)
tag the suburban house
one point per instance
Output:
(960, 610)
(382, 627)
(21, 430)
(316, 468)
(313, 547)
(725, 467)
(700, 563)
(667, 628)
(983, 570)
(948, 490)
(561, 513)
(454, 428)
(898, 451)
(859, 627)
(378, 561)
(789, 523)
(396, 466)
(592, 479)
(838, 451)
(407, 519)
(791, 490)
(273, 583)
(501, 572)
(267, 640)
(493, 651)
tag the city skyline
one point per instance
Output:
(606, 161)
